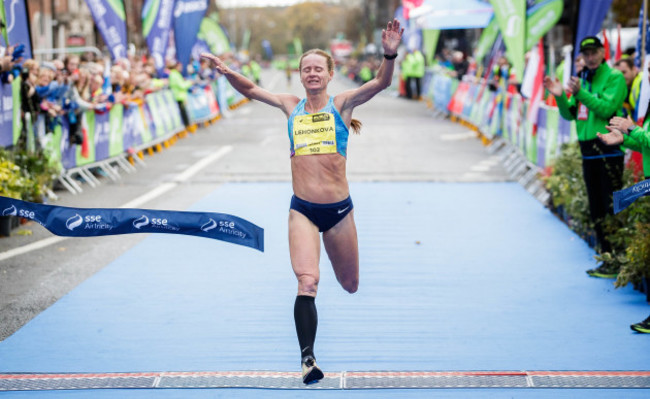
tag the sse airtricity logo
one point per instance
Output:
(11, 211)
(141, 222)
(209, 226)
(74, 222)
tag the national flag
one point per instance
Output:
(408, 5)
(619, 51)
(608, 50)
(533, 83)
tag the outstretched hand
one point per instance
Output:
(391, 37)
(216, 63)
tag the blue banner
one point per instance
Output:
(156, 25)
(637, 57)
(91, 222)
(110, 20)
(17, 27)
(590, 19)
(6, 115)
(625, 197)
(187, 21)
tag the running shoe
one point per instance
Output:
(643, 327)
(604, 271)
(310, 371)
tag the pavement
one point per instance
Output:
(462, 272)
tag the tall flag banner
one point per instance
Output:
(188, 15)
(511, 17)
(639, 44)
(15, 30)
(644, 96)
(487, 39)
(540, 19)
(590, 19)
(213, 34)
(156, 25)
(110, 19)
(430, 43)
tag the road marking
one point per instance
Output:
(156, 192)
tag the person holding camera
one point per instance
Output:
(597, 95)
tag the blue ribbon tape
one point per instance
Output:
(625, 197)
(91, 222)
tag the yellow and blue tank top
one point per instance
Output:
(323, 132)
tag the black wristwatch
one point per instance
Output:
(390, 57)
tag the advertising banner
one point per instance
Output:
(591, 15)
(213, 34)
(540, 19)
(14, 15)
(110, 20)
(156, 25)
(511, 18)
(187, 21)
(6, 117)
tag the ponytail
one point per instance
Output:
(356, 126)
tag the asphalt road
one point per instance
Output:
(401, 140)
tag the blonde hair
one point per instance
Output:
(355, 124)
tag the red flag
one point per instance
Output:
(538, 85)
(608, 51)
(619, 52)
(408, 5)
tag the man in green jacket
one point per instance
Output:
(179, 87)
(625, 131)
(597, 96)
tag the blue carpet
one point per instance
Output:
(453, 277)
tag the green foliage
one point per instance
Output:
(629, 233)
(568, 192)
(25, 176)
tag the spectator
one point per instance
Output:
(416, 68)
(459, 64)
(597, 96)
(179, 87)
(29, 99)
(633, 81)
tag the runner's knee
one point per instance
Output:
(307, 284)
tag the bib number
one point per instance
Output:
(314, 134)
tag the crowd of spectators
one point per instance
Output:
(64, 88)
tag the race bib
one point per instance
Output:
(583, 112)
(314, 134)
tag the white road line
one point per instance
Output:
(156, 192)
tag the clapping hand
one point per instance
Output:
(614, 137)
(622, 124)
(553, 86)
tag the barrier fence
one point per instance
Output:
(110, 136)
(501, 117)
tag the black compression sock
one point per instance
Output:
(306, 318)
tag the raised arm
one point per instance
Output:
(390, 40)
(285, 102)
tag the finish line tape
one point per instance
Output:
(91, 222)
